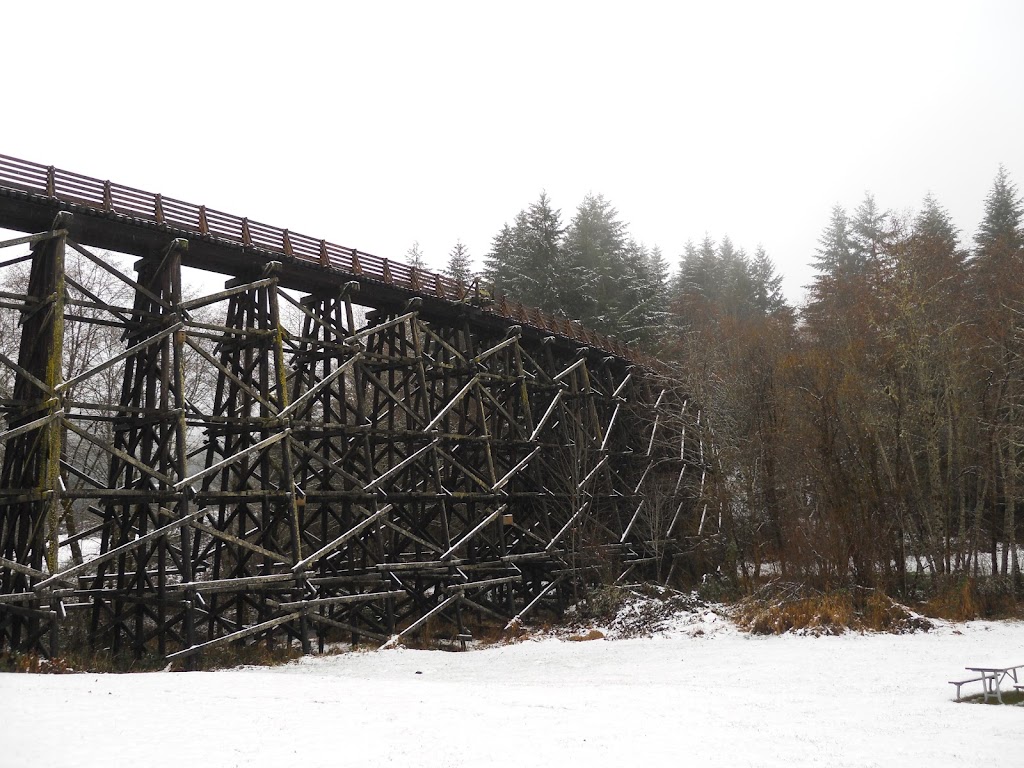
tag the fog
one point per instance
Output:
(377, 125)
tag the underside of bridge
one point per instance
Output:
(319, 452)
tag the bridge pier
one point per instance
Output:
(30, 477)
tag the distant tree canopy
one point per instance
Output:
(871, 435)
(590, 270)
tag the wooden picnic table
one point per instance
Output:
(992, 678)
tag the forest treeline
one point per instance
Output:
(872, 436)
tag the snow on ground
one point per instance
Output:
(700, 693)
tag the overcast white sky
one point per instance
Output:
(374, 125)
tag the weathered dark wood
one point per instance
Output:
(338, 479)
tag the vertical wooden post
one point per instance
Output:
(54, 375)
(29, 527)
(185, 535)
(287, 479)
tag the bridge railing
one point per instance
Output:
(115, 198)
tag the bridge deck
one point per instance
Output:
(128, 220)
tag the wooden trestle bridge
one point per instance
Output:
(379, 451)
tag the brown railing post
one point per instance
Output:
(418, 278)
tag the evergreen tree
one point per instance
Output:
(837, 255)
(525, 260)
(688, 256)
(504, 263)
(594, 259)
(934, 251)
(544, 280)
(768, 297)
(719, 282)
(869, 230)
(997, 267)
(660, 280)
(637, 311)
(1001, 227)
(737, 289)
(842, 285)
(999, 245)
(458, 267)
(414, 257)
(699, 275)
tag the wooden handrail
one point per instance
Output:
(34, 178)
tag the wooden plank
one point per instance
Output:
(33, 239)
(476, 529)
(349, 534)
(4, 436)
(232, 459)
(360, 597)
(394, 640)
(328, 621)
(163, 531)
(518, 618)
(237, 583)
(239, 635)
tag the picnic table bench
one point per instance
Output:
(991, 679)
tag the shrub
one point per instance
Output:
(966, 598)
(778, 608)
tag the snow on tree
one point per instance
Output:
(458, 266)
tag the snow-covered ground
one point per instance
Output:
(700, 693)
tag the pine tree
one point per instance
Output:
(504, 264)
(842, 283)
(934, 252)
(414, 257)
(920, 353)
(869, 230)
(635, 312)
(458, 267)
(997, 267)
(660, 280)
(999, 252)
(737, 289)
(837, 253)
(1001, 227)
(593, 263)
(699, 275)
(525, 260)
(768, 296)
(720, 282)
(544, 279)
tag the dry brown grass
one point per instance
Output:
(256, 655)
(593, 634)
(969, 598)
(34, 664)
(781, 608)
